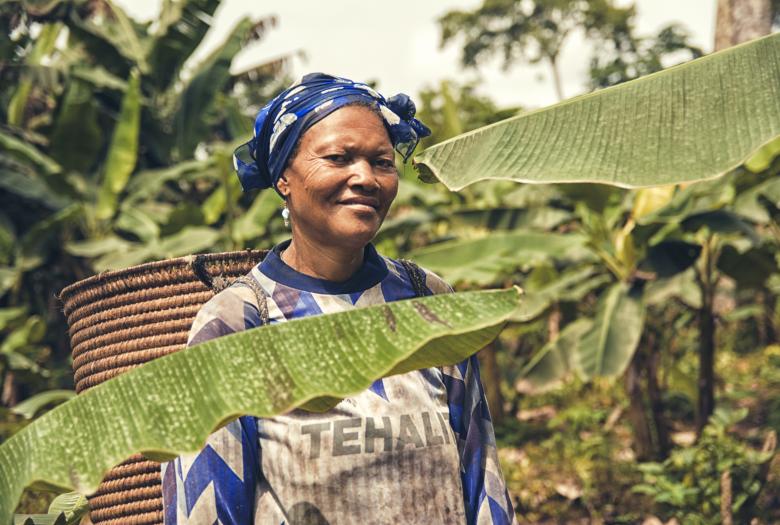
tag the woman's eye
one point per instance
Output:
(387, 164)
(337, 157)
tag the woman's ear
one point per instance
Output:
(283, 186)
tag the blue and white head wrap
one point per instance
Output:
(281, 123)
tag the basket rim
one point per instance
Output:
(102, 278)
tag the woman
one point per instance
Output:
(413, 448)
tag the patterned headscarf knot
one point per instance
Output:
(282, 121)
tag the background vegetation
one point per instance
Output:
(115, 150)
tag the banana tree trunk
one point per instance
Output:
(643, 436)
(663, 441)
(645, 411)
(706, 322)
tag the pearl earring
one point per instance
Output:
(286, 216)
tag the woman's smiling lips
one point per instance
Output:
(361, 202)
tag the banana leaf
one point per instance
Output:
(32, 405)
(123, 152)
(182, 28)
(179, 399)
(554, 361)
(114, 38)
(208, 79)
(44, 45)
(484, 260)
(77, 137)
(20, 180)
(691, 122)
(607, 347)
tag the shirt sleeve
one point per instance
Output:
(485, 495)
(484, 491)
(217, 484)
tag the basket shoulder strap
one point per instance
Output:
(218, 283)
(416, 276)
(262, 299)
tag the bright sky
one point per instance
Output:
(397, 43)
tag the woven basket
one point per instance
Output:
(121, 319)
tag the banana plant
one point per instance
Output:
(691, 122)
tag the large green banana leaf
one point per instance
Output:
(169, 406)
(691, 122)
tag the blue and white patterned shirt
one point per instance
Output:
(413, 448)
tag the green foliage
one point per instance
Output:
(586, 255)
(687, 485)
(90, 140)
(607, 347)
(123, 150)
(480, 260)
(65, 509)
(32, 405)
(568, 459)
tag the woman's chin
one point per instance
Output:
(356, 234)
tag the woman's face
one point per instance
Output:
(342, 180)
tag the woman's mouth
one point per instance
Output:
(365, 203)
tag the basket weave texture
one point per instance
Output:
(121, 319)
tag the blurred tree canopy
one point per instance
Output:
(534, 32)
(116, 149)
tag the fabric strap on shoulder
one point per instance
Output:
(218, 283)
(416, 276)
(262, 301)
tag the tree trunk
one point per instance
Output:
(491, 380)
(663, 443)
(738, 21)
(706, 322)
(643, 435)
(645, 412)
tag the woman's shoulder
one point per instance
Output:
(435, 283)
(231, 310)
(431, 280)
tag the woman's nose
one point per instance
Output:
(363, 175)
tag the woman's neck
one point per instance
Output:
(323, 262)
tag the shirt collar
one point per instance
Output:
(370, 273)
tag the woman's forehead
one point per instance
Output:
(351, 126)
